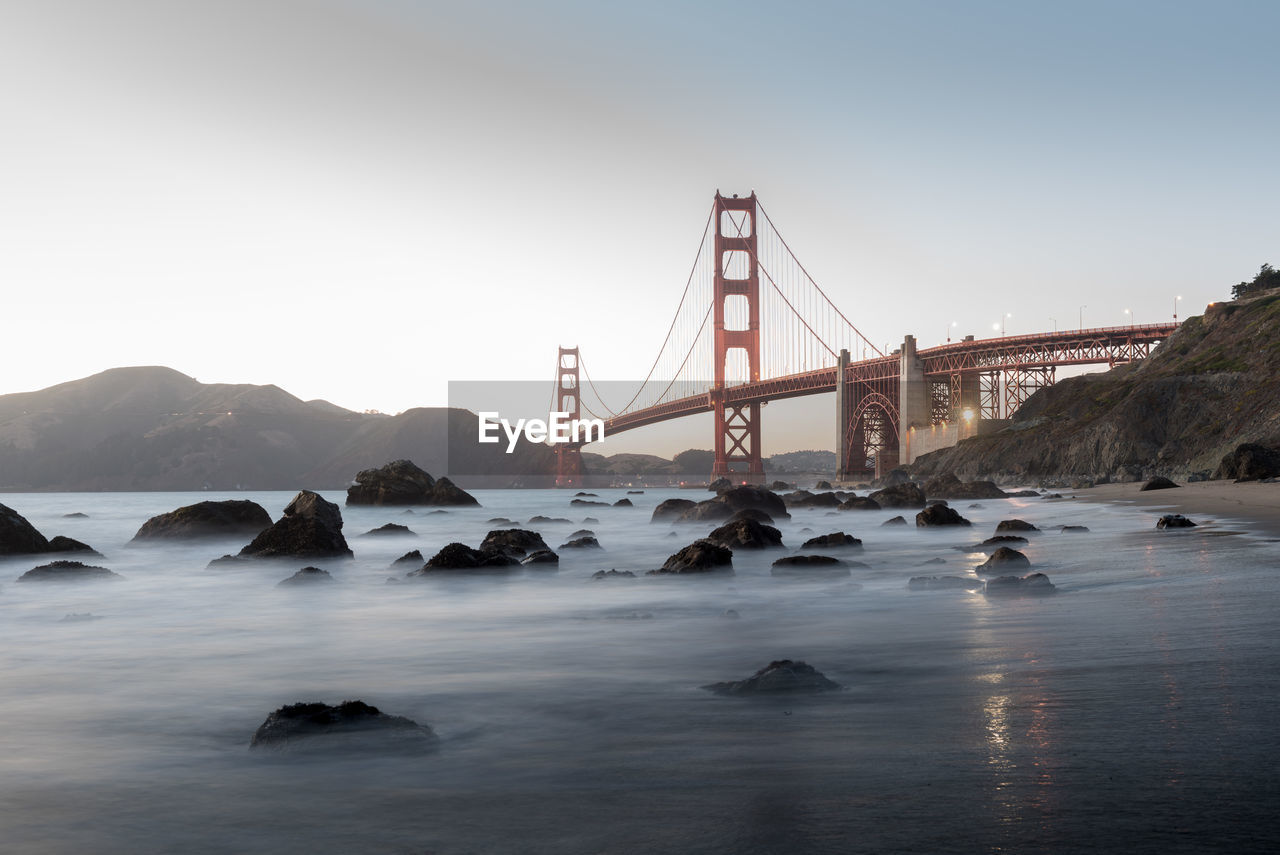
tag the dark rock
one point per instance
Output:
(17, 536)
(894, 521)
(352, 726)
(939, 515)
(720, 484)
(613, 574)
(859, 503)
(777, 486)
(1033, 585)
(409, 559)
(907, 495)
(1174, 521)
(746, 534)
(1074, 528)
(822, 485)
(67, 544)
(780, 677)
(735, 499)
(671, 509)
(541, 520)
(67, 571)
(1158, 483)
(1023, 494)
(513, 541)
(1014, 525)
(835, 540)
(1003, 560)
(582, 495)
(751, 514)
(1000, 539)
(587, 503)
(623, 503)
(391, 530)
(310, 528)
(232, 518)
(541, 556)
(583, 532)
(75, 515)
(227, 561)
(1052, 496)
(936, 502)
(932, 561)
(976, 506)
(1249, 462)
(701, 556)
(590, 521)
(459, 556)
(948, 486)
(306, 576)
(505, 521)
(400, 482)
(635, 492)
(805, 499)
(943, 583)
(811, 567)
(586, 542)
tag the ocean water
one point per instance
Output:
(1131, 712)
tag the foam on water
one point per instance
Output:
(1131, 711)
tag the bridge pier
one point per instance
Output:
(568, 457)
(915, 397)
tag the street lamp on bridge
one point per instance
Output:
(957, 323)
(1055, 324)
(1130, 314)
(1082, 308)
(1175, 309)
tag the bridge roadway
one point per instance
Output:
(910, 373)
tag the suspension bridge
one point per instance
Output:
(753, 326)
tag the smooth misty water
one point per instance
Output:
(1132, 712)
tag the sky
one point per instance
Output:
(363, 200)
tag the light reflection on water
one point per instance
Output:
(1130, 711)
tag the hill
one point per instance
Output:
(153, 428)
(1208, 388)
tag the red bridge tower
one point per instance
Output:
(568, 457)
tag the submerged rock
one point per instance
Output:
(1003, 560)
(401, 482)
(409, 559)
(588, 503)
(230, 518)
(306, 576)
(735, 499)
(613, 574)
(948, 486)
(1033, 585)
(227, 561)
(541, 556)
(670, 509)
(701, 556)
(67, 571)
(623, 503)
(805, 499)
(940, 515)
(67, 544)
(352, 726)
(1074, 528)
(859, 503)
(515, 542)
(459, 556)
(779, 677)
(750, 514)
(835, 540)
(1014, 525)
(746, 534)
(1174, 521)
(894, 521)
(390, 530)
(586, 542)
(543, 520)
(810, 567)
(310, 528)
(907, 495)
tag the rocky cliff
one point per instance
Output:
(1211, 386)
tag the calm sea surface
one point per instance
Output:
(1135, 711)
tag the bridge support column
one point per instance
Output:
(844, 413)
(568, 457)
(737, 278)
(915, 396)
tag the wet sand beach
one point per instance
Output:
(1252, 502)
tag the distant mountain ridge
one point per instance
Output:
(154, 428)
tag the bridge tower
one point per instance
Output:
(568, 457)
(737, 278)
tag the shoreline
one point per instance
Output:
(1251, 502)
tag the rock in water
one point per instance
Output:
(859, 503)
(613, 574)
(401, 482)
(1003, 560)
(735, 499)
(939, 515)
(67, 544)
(1158, 483)
(908, 495)
(894, 521)
(1014, 525)
(810, 567)
(541, 556)
(459, 556)
(750, 514)
(390, 530)
(67, 571)
(669, 509)
(720, 484)
(409, 559)
(231, 518)
(515, 542)
(586, 542)
(835, 540)
(701, 556)
(352, 726)
(780, 677)
(948, 486)
(310, 528)
(17, 536)
(1033, 585)
(746, 534)
(1174, 521)
(306, 576)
